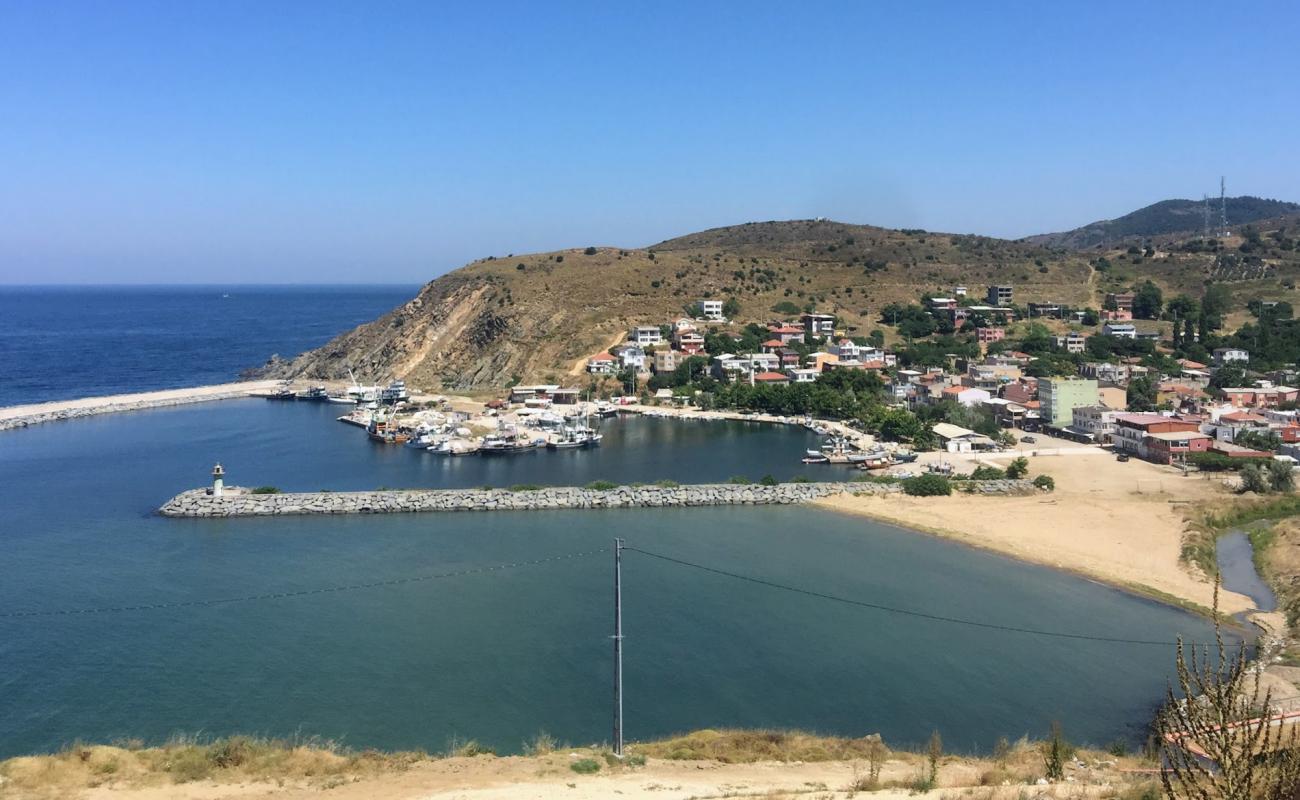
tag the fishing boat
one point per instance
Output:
(816, 458)
(316, 394)
(905, 456)
(605, 409)
(341, 399)
(282, 392)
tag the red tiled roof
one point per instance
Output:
(601, 357)
(771, 376)
(773, 343)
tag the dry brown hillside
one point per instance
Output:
(538, 317)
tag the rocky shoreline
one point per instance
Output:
(201, 503)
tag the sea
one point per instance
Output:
(63, 342)
(411, 631)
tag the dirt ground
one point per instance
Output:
(550, 776)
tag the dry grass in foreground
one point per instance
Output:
(770, 763)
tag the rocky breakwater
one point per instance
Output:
(200, 503)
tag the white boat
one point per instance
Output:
(394, 392)
(342, 400)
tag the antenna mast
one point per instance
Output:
(1223, 204)
(1205, 212)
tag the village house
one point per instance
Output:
(711, 310)
(543, 395)
(771, 345)
(632, 357)
(644, 335)
(729, 366)
(1119, 300)
(1121, 330)
(1050, 309)
(789, 358)
(602, 364)
(820, 360)
(1000, 295)
(1229, 425)
(846, 349)
(771, 378)
(802, 375)
(1105, 372)
(943, 304)
(689, 342)
(1113, 315)
(1267, 397)
(1095, 422)
(1072, 342)
(966, 395)
(818, 324)
(786, 333)
(986, 335)
(667, 360)
(1230, 355)
(1022, 391)
(959, 291)
(1155, 437)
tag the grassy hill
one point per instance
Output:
(1163, 219)
(538, 317)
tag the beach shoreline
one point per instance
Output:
(1095, 525)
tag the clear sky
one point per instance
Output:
(271, 141)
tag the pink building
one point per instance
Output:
(985, 335)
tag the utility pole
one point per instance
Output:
(618, 648)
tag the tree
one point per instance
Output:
(1254, 479)
(1147, 301)
(1056, 751)
(1091, 317)
(1018, 468)
(730, 308)
(1228, 376)
(1141, 394)
(1220, 710)
(1281, 478)
(935, 754)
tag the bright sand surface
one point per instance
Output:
(1121, 523)
(138, 400)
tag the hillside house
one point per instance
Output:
(1072, 342)
(1270, 397)
(1095, 422)
(666, 360)
(645, 335)
(771, 378)
(1122, 301)
(602, 364)
(1120, 330)
(818, 324)
(987, 335)
(1230, 355)
(689, 342)
(786, 333)
(966, 395)
(802, 375)
(1000, 295)
(1049, 309)
(632, 357)
(1121, 315)
(711, 310)
(771, 345)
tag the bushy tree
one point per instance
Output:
(1147, 301)
(1141, 394)
(731, 308)
(1281, 478)
(1254, 479)
(1018, 468)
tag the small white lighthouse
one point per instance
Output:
(218, 485)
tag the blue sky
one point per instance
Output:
(361, 142)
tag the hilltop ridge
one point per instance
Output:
(1166, 218)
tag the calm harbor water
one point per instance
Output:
(58, 342)
(503, 655)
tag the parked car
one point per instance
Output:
(1030, 439)
(1122, 457)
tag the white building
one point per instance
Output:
(1123, 330)
(711, 309)
(1095, 421)
(646, 335)
(1073, 342)
(632, 356)
(802, 375)
(1230, 355)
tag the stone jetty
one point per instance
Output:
(14, 417)
(202, 503)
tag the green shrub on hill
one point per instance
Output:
(927, 486)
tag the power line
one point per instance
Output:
(903, 611)
(298, 593)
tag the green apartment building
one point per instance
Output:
(1058, 397)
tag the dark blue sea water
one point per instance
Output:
(499, 656)
(58, 343)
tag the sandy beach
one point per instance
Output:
(1120, 523)
(21, 416)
